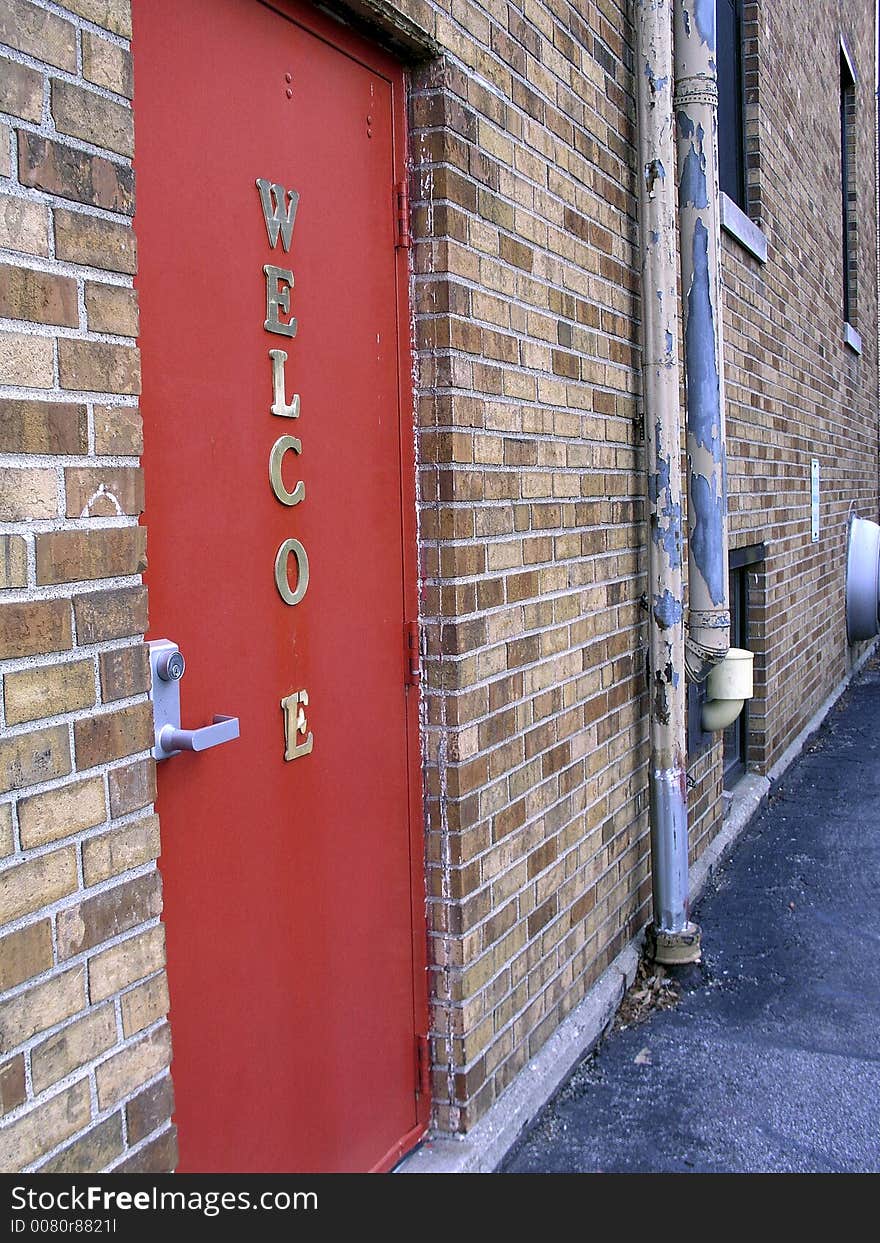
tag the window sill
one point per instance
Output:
(735, 222)
(852, 338)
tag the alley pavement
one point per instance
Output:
(771, 1062)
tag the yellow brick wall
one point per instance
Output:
(795, 391)
(531, 487)
(84, 1046)
(531, 519)
(531, 524)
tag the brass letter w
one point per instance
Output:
(278, 213)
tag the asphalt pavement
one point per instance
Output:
(770, 1061)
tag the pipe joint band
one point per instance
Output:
(698, 86)
(708, 619)
(696, 107)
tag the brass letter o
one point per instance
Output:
(288, 548)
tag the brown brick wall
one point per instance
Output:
(795, 390)
(531, 509)
(84, 1048)
(531, 515)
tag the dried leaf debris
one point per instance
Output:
(652, 989)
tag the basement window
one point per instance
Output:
(742, 563)
(736, 736)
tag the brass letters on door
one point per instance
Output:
(280, 406)
(279, 213)
(298, 738)
(280, 447)
(279, 283)
(291, 548)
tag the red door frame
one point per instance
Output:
(382, 63)
(378, 61)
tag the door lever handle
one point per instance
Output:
(167, 667)
(171, 740)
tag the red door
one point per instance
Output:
(280, 508)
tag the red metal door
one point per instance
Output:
(294, 903)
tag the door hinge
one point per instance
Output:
(411, 639)
(423, 1063)
(401, 198)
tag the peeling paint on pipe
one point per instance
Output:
(668, 611)
(704, 12)
(696, 112)
(707, 526)
(660, 393)
(701, 365)
(693, 191)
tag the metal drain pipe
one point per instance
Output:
(696, 118)
(671, 933)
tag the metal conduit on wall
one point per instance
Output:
(680, 132)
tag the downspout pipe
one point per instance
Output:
(672, 937)
(699, 218)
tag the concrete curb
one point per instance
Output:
(747, 801)
(483, 1149)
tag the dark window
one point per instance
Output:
(736, 736)
(742, 562)
(731, 164)
(847, 186)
